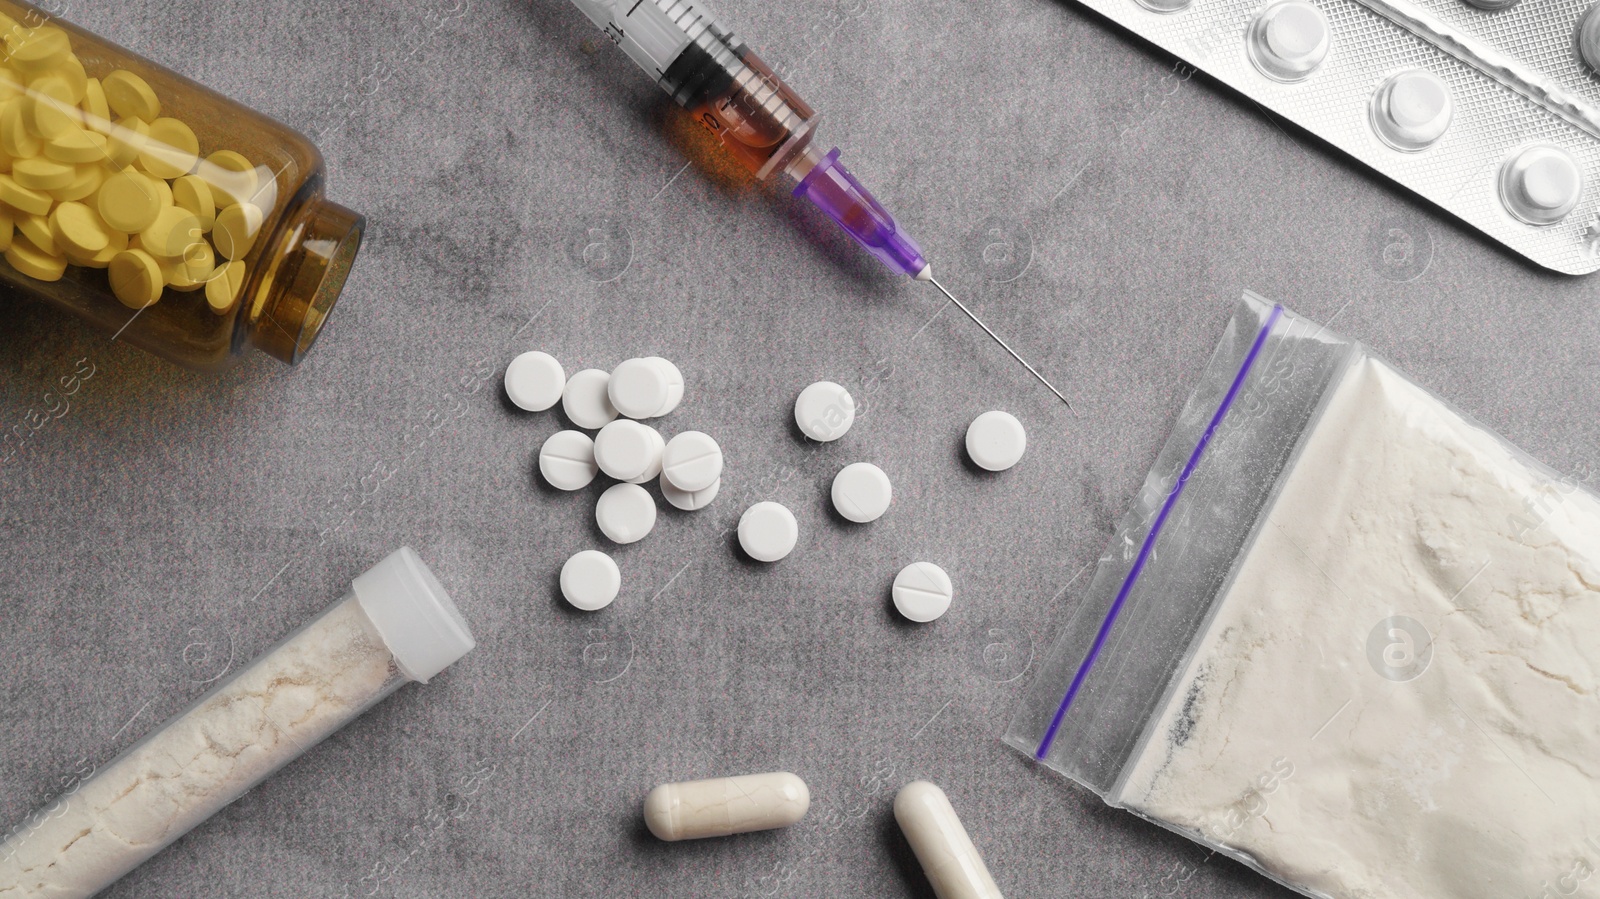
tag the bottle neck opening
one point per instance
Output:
(300, 286)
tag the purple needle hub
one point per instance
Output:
(837, 192)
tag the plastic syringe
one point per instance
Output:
(761, 122)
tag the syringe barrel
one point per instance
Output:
(710, 72)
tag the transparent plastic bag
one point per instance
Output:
(1346, 635)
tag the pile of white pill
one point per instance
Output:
(633, 453)
(688, 468)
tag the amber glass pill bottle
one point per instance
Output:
(160, 211)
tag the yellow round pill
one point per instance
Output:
(36, 228)
(83, 186)
(125, 141)
(94, 105)
(102, 259)
(231, 176)
(16, 140)
(131, 96)
(236, 230)
(128, 201)
(135, 278)
(34, 262)
(49, 108)
(7, 228)
(76, 145)
(173, 232)
(193, 193)
(43, 173)
(36, 49)
(70, 69)
(172, 150)
(24, 198)
(78, 229)
(222, 288)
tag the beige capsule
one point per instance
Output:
(726, 805)
(954, 868)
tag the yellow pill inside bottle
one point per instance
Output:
(24, 199)
(125, 140)
(43, 173)
(222, 288)
(95, 108)
(16, 140)
(75, 145)
(193, 193)
(236, 230)
(135, 278)
(129, 201)
(8, 227)
(171, 151)
(49, 108)
(36, 228)
(232, 177)
(36, 49)
(173, 232)
(88, 180)
(131, 96)
(102, 259)
(79, 230)
(34, 262)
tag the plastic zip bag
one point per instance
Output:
(1346, 635)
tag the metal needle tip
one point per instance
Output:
(1007, 347)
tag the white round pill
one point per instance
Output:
(996, 440)
(674, 385)
(627, 450)
(658, 450)
(693, 461)
(639, 388)
(1411, 110)
(590, 580)
(585, 400)
(768, 532)
(1541, 184)
(689, 500)
(625, 513)
(1288, 40)
(861, 492)
(534, 381)
(825, 411)
(1588, 38)
(922, 591)
(567, 460)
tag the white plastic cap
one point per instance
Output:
(413, 614)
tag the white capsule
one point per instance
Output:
(629, 451)
(535, 381)
(824, 411)
(996, 440)
(862, 492)
(590, 580)
(689, 501)
(567, 460)
(726, 805)
(693, 461)
(585, 400)
(768, 532)
(954, 868)
(625, 513)
(922, 592)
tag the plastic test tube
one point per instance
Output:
(397, 624)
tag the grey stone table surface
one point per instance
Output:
(528, 188)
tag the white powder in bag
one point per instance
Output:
(286, 701)
(1396, 697)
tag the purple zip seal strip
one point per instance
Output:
(1155, 533)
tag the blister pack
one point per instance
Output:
(1491, 111)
